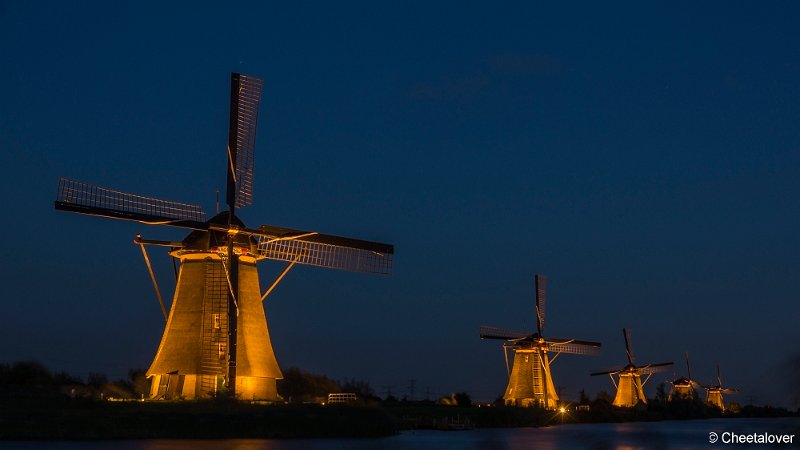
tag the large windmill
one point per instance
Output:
(684, 387)
(530, 382)
(630, 387)
(216, 339)
(714, 393)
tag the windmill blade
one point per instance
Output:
(606, 372)
(502, 333)
(322, 250)
(654, 368)
(626, 333)
(83, 198)
(245, 98)
(688, 369)
(719, 376)
(573, 346)
(540, 285)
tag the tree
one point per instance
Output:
(361, 388)
(603, 395)
(298, 386)
(65, 379)
(661, 393)
(29, 373)
(97, 380)
(463, 399)
(138, 380)
(583, 398)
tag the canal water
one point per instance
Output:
(666, 435)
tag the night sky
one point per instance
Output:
(645, 159)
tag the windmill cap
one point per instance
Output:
(205, 240)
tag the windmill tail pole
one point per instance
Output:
(153, 277)
(233, 312)
(280, 277)
(508, 370)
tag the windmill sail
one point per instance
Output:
(607, 372)
(322, 250)
(245, 98)
(83, 198)
(655, 368)
(540, 284)
(573, 346)
(626, 333)
(501, 333)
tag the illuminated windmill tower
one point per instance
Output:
(714, 393)
(684, 387)
(216, 339)
(630, 387)
(530, 382)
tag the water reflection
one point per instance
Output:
(624, 436)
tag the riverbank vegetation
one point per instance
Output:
(38, 404)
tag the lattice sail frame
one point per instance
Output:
(488, 332)
(245, 100)
(572, 347)
(521, 339)
(540, 286)
(87, 198)
(626, 333)
(654, 368)
(324, 255)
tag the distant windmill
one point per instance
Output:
(630, 387)
(684, 387)
(714, 393)
(530, 382)
(216, 338)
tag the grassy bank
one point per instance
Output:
(433, 416)
(62, 418)
(70, 419)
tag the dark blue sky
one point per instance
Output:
(645, 158)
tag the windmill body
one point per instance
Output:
(191, 361)
(684, 387)
(530, 382)
(714, 394)
(216, 338)
(630, 390)
(629, 383)
(714, 398)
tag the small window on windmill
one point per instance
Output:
(216, 321)
(221, 350)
